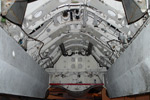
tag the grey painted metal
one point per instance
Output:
(19, 73)
(17, 11)
(130, 74)
(132, 10)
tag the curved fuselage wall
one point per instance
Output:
(19, 73)
(130, 74)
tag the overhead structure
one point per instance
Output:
(77, 41)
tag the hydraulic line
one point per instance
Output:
(40, 47)
(34, 40)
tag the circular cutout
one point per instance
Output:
(38, 14)
(48, 30)
(73, 66)
(111, 13)
(80, 59)
(73, 59)
(80, 66)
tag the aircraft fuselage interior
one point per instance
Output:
(79, 46)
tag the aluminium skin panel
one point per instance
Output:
(130, 74)
(19, 73)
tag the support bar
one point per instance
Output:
(76, 84)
